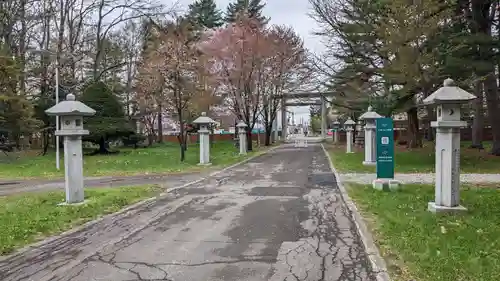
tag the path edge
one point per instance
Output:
(125, 211)
(377, 263)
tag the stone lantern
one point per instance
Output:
(336, 127)
(204, 122)
(71, 113)
(370, 126)
(243, 137)
(447, 100)
(349, 127)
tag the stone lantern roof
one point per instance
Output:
(449, 94)
(370, 114)
(203, 119)
(70, 107)
(241, 124)
(349, 122)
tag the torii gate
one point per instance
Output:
(298, 95)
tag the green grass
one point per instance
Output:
(422, 246)
(27, 218)
(158, 159)
(416, 160)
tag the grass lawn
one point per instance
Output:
(416, 160)
(27, 218)
(163, 158)
(422, 246)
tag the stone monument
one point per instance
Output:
(243, 137)
(447, 100)
(369, 117)
(349, 128)
(71, 113)
(204, 122)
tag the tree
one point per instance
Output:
(236, 53)
(252, 7)
(109, 122)
(170, 73)
(204, 14)
(16, 112)
(285, 70)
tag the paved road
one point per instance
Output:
(278, 217)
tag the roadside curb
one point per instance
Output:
(378, 265)
(122, 213)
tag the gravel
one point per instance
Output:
(421, 178)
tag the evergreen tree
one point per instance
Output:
(204, 13)
(109, 122)
(252, 7)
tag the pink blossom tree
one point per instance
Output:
(236, 54)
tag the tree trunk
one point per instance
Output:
(492, 100)
(478, 122)
(414, 138)
(249, 139)
(267, 141)
(431, 116)
(160, 124)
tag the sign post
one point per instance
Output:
(385, 155)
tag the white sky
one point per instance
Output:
(293, 13)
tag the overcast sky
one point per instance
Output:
(286, 12)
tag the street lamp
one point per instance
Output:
(55, 54)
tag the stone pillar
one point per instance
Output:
(370, 142)
(349, 127)
(323, 118)
(336, 127)
(447, 100)
(204, 134)
(243, 137)
(71, 113)
(73, 169)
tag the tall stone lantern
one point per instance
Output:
(336, 127)
(447, 100)
(349, 127)
(204, 122)
(243, 137)
(370, 118)
(71, 114)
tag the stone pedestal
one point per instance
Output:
(447, 186)
(349, 140)
(73, 169)
(386, 184)
(349, 128)
(370, 145)
(204, 135)
(243, 137)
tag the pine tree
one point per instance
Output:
(252, 7)
(204, 14)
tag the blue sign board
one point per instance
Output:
(385, 148)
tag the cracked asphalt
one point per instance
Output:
(279, 217)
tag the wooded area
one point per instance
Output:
(393, 54)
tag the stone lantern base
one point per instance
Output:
(432, 207)
(386, 184)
